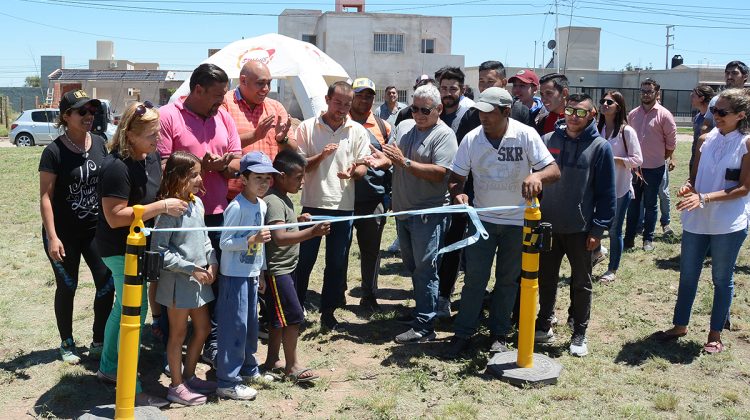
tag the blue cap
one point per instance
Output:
(257, 162)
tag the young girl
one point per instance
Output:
(184, 287)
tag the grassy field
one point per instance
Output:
(364, 374)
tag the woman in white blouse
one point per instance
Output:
(713, 205)
(613, 126)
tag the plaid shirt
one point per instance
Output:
(246, 120)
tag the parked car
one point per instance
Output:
(35, 127)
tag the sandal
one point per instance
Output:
(664, 336)
(297, 377)
(713, 347)
(607, 277)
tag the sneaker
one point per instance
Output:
(443, 307)
(258, 377)
(95, 350)
(607, 277)
(544, 337)
(106, 377)
(182, 394)
(68, 352)
(648, 246)
(146, 400)
(201, 386)
(412, 336)
(499, 344)
(456, 347)
(329, 322)
(209, 356)
(394, 247)
(237, 392)
(578, 345)
(369, 304)
(667, 230)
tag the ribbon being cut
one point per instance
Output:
(472, 212)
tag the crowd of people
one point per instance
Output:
(231, 158)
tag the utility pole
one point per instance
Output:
(534, 55)
(666, 59)
(555, 52)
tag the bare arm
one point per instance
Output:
(118, 214)
(46, 192)
(456, 184)
(532, 185)
(283, 238)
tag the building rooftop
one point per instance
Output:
(117, 75)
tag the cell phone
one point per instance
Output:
(732, 175)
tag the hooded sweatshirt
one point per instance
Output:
(583, 200)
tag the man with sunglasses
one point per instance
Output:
(580, 207)
(421, 154)
(657, 134)
(509, 164)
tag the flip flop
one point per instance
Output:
(713, 347)
(664, 336)
(297, 377)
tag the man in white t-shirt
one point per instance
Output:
(332, 143)
(509, 164)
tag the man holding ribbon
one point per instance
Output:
(509, 164)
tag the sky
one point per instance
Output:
(178, 33)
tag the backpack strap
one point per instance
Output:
(381, 126)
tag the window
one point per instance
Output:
(428, 46)
(312, 39)
(44, 116)
(388, 43)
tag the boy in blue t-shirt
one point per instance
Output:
(242, 265)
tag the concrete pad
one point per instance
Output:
(108, 412)
(503, 366)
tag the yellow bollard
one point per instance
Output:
(529, 286)
(130, 322)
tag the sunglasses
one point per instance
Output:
(578, 112)
(720, 112)
(141, 109)
(608, 102)
(424, 111)
(86, 110)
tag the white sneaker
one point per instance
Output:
(443, 307)
(258, 378)
(544, 337)
(604, 250)
(395, 247)
(237, 392)
(578, 346)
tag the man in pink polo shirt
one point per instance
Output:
(199, 124)
(657, 133)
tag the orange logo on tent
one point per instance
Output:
(263, 55)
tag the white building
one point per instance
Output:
(389, 49)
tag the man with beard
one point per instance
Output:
(735, 76)
(451, 96)
(200, 125)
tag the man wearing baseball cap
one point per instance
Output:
(369, 193)
(525, 85)
(509, 164)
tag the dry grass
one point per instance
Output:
(365, 375)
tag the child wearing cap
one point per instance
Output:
(241, 269)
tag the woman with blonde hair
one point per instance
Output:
(714, 214)
(131, 175)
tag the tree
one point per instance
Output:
(629, 67)
(33, 81)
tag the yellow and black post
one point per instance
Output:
(529, 285)
(130, 322)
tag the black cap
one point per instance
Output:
(76, 99)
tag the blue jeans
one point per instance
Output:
(337, 249)
(724, 251)
(648, 193)
(420, 238)
(237, 329)
(504, 244)
(615, 233)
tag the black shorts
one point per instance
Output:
(282, 304)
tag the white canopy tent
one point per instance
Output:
(309, 69)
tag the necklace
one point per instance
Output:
(83, 151)
(143, 163)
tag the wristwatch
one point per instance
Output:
(407, 163)
(701, 200)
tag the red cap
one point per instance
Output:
(525, 76)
